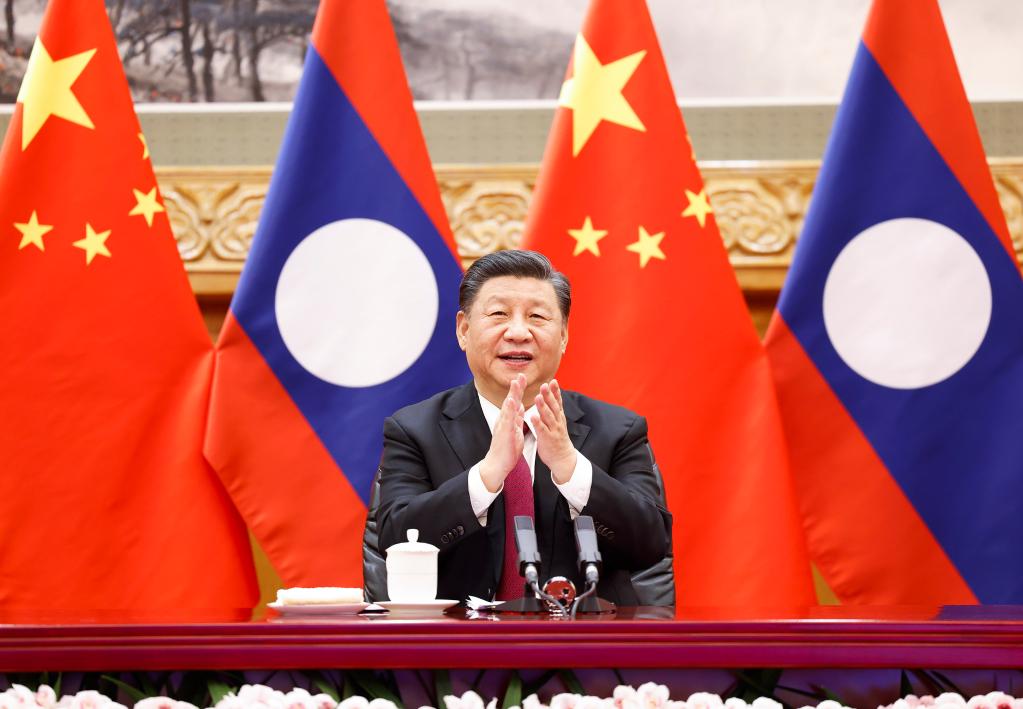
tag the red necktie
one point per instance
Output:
(518, 500)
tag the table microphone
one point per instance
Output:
(586, 546)
(529, 555)
(589, 564)
(529, 562)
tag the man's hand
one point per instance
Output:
(506, 445)
(552, 442)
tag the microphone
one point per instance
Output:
(529, 555)
(586, 546)
(529, 562)
(589, 564)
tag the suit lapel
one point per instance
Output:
(466, 430)
(577, 430)
(465, 427)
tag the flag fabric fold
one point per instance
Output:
(658, 321)
(106, 501)
(897, 346)
(345, 308)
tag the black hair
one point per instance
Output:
(519, 264)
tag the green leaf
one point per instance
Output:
(347, 688)
(905, 686)
(769, 680)
(321, 683)
(218, 689)
(513, 694)
(476, 681)
(134, 692)
(373, 688)
(572, 683)
(191, 687)
(539, 683)
(932, 684)
(755, 683)
(950, 686)
(818, 694)
(441, 686)
(144, 681)
(825, 693)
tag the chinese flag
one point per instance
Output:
(658, 322)
(105, 499)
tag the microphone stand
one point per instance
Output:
(529, 560)
(531, 596)
(589, 564)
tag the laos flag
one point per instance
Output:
(897, 346)
(345, 310)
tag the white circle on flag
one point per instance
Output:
(907, 303)
(356, 302)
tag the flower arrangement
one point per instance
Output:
(647, 696)
(951, 700)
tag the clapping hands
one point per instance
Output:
(506, 445)
(553, 444)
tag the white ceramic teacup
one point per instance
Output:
(412, 570)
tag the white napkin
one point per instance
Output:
(478, 604)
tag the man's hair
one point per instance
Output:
(519, 264)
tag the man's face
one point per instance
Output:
(513, 327)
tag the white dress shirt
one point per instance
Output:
(576, 491)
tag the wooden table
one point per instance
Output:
(634, 638)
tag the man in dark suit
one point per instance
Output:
(459, 465)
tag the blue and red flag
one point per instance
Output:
(898, 341)
(345, 308)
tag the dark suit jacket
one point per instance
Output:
(429, 448)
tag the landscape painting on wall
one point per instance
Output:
(252, 50)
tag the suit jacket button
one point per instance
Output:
(461, 530)
(444, 539)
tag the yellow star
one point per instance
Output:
(145, 146)
(698, 207)
(93, 243)
(586, 238)
(32, 232)
(594, 93)
(46, 91)
(146, 205)
(648, 247)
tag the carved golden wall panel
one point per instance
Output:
(759, 207)
(486, 207)
(213, 212)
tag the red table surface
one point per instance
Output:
(839, 637)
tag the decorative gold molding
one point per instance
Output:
(759, 207)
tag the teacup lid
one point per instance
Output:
(413, 545)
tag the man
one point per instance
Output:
(461, 464)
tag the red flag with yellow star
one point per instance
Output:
(105, 499)
(658, 322)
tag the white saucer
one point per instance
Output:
(419, 607)
(318, 608)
